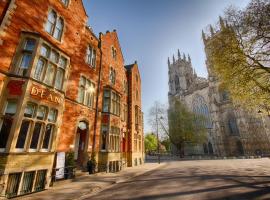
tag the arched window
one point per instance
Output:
(51, 22)
(232, 125)
(200, 108)
(54, 25)
(177, 84)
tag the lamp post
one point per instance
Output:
(157, 135)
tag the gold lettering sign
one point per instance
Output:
(45, 94)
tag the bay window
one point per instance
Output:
(51, 67)
(26, 56)
(42, 119)
(111, 102)
(6, 122)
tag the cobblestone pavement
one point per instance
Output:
(235, 179)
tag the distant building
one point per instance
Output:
(231, 130)
(63, 90)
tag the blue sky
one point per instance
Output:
(150, 31)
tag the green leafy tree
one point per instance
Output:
(150, 142)
(166, 143)
(185, 126)
(239, 54)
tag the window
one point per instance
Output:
(42, 119)
(65, 2)
(114, 53)
(86, 92)
(26, 56)
(111, 102)
(112, 76)
(232, 125)
(124, 112)
(91, 56)
(54, 25)
(51, 67)
(125, 87)
(114, 144)
(104, 133)
(177, 83)
(200, 108)
(6, 122)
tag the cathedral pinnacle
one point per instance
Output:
(169, 62)
(173, 59)
(203, 36)
(211, 30)
(189, 59)
(184, 57)
(221, 22)
(179, 55)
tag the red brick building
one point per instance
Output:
(63, 91)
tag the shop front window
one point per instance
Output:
(6, 122)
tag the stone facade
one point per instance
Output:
(63, 91)
(231, 130)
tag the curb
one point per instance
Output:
(120, 181)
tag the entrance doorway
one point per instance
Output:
(81, 143)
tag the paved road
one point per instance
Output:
(197, 180)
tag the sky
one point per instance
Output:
(150, 31)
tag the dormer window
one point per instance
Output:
(54, 25)
(65, 2)
(91, 56)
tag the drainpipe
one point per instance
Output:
(97, 98)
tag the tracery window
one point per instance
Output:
(200, 108)
(232, 125)
(177, 84)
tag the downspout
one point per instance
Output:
(97, 99)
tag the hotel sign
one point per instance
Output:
(45, 94)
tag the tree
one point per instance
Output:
(184, 126)
(150, 142)
(166, 143)
(239, 54)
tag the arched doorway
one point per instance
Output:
(81, 142)
(210, 148)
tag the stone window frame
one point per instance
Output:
(91, 93)
(114, 100)
(58, 18)
(91, 56)
(112, 76)
(124, 114)
(105, 126)
(3, 116)
(113, 52)
(36, 55)
(65, 2)
(114, 139)
(33, 121)
(48, 61)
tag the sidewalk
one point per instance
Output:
(87, 185)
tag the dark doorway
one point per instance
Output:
(240, 148)
(205, 149)
(210, 148)
(82, 143)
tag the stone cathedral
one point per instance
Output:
(231, 131)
